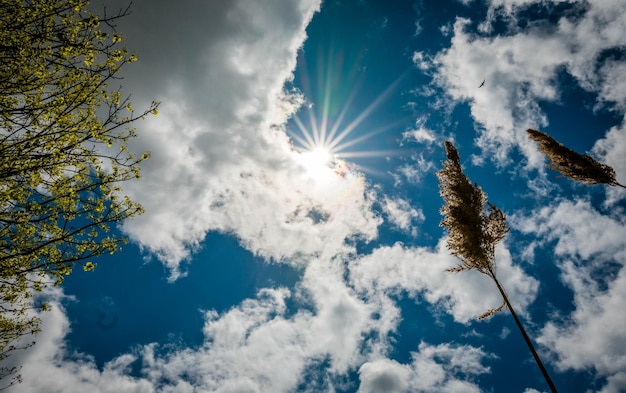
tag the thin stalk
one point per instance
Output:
(525, 335)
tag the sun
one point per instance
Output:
(317, 162)
(318, 156)
(333, 137)
(325, 140)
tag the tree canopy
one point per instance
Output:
(64, 131)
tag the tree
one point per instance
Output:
(473, 232)
(64, 130)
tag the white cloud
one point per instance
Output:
(415, 170)
(46, 367)
(520, 70)
(434, 368)
(261, 346)
(615, 383)
(384, 376)
(593, 336)
(420, 271)
(414, 173)
(420, 134)
(221, 159)
(250, 348)
(590, 251)
(402, 215)
(422, 61)
(611, 150)
(418, 28)
(507, 9)
(445, 30)
(257, 346)
(579, 230)
(612, 85)
(506, 105)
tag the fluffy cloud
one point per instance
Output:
(250, 348)
(421, 271)
(401, 214)
(221, 159)
(50, 367)
(384, 375)
(257, 346)
(262, 346)
(413, 172)
(421, 134)
(590, 252)
(434, 368)
(507, 10)
(580, 231)
(520, 70)
(611, 150)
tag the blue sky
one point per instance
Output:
(264, 265)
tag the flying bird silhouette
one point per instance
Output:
(482, 84)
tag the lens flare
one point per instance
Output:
(317, 162)
(326, 138)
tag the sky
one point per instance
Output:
(291, 238)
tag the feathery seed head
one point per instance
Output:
(571, 164)
(472, 231)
